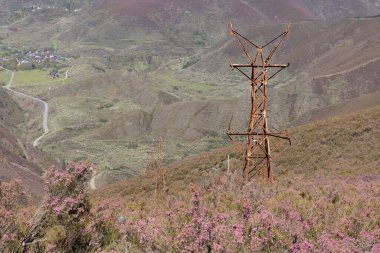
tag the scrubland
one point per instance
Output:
(326, 198)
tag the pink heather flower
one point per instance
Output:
(6, 237)
(54, 201)
(306, 247)
(247, 210)
(217, 247)
(58, 210)
(238, 233)
(303, 247)
(169, 214)
(295, 216)
(69, 201)
(375, 248)
(340, 235)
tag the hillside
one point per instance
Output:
(199, 101)
(325, 198)
(330, 63)
(342, 146)
(143, 69)
(18, 160)
(130, 101)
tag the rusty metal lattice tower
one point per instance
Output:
(258, 151)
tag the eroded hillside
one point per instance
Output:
(18, 160)
(316, 203)
(342, 146)
(163, 70)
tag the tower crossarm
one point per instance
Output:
(282, 38)
(259, 66)
(281, 135)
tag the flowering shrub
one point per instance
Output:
(59, 223)
(300, 214)
(64, 221)
(13, 214)
(68, 207)
(229, 215)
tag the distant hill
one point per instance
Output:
(330, 62)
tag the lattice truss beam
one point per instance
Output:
(259, 71)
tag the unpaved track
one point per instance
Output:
(46, 106)
(345, 71)
(92, 182)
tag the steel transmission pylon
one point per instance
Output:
(258, 152)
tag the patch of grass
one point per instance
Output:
(190, 62)
(334, 91)
(309, 155)
(174, 83)
(141, 37)
(105, 106)
(132, 145)
(103, 120)
(39, 78)
(31, 77)
(140, 66)
(4, 77)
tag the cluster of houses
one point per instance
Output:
(26, 56)
(34, 56)
(54, 74)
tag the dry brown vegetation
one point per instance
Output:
(341, 146)
(325, 198)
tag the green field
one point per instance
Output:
(33, 77)
(171, 81)
(4, 77)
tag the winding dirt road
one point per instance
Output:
(92, 182)
(46, 105)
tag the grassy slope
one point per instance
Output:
(36, 77)
(347, 107)
(340, 146)
(4, 77)
(326, 187)
(31, 76)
